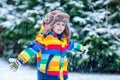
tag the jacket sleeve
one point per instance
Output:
(31, 50)
(75, 47)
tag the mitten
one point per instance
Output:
(85, 50)
(80, 49)
(14, 64)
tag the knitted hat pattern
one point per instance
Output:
(55, 16)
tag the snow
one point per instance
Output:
(38, 25)
(31, 19)
(38, 8)
(98, 2)
(79, 19)
(52, 5)
(113, 15)
(78, 4)
(26, 72)
(22, 6)
(93, 33)
(29, 73)
(18, 21)
(116, 25)
(74, 31)
(97, 16)
(115, 31)
(107, 2)
(3, 12)
(10, 17)
(14, 18)
(28, 12)
(101, 30)
(7, 24)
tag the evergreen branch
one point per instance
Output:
(108, 28)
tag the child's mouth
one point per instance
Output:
(59, 30)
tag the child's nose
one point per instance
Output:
(61, 26)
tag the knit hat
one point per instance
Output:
(55, 16)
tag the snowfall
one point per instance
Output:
(26, 72)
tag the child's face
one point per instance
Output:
(59, 27)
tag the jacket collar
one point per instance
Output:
(59, 36)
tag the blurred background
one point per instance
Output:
(94, 23)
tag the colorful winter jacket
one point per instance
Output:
(51, 54)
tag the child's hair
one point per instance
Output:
(52, 17)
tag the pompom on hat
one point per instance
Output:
(54, 16)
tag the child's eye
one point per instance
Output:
(63, 24)
(58, 23)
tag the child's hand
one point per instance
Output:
(85, 51)
(78, 48)
(14, 64)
